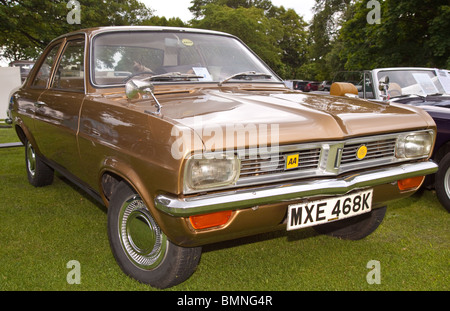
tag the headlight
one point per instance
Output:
(206, 173)
(414, 145)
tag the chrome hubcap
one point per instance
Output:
(447, 182)
(142, 239)
(31, 160)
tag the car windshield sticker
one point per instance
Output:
(202, 71)
(187, 42)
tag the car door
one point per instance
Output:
(58, 107)
(28, 96)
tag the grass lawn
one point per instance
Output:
(42, 229)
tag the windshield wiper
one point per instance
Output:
(423, 97)
(247, 75)
(173, 76)
(170, 76)
(409, 95)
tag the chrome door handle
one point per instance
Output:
(39, 104)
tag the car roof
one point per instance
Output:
(402, 68)
(97, 30)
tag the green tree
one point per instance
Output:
(163, 21)
(439, 41)
(276, 34)
(27, 26)
(410, 33)
(293, 42)
(250, 25)
(323, 51)
(199, 5)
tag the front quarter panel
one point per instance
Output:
(120, 138)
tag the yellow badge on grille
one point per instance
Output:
(361, 153)
(292, 161)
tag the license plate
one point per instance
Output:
(322, 211)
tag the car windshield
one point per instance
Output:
(412, 82)
(174, 57)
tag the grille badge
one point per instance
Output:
(361, 152)
(292, 161)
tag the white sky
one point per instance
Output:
(179, 8)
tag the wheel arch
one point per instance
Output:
(25, 135)
(438, 155)
(442, 151)
(114, 172)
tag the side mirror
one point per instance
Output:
(135, 88)
(383, 86)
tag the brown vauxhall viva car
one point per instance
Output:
(189, 138)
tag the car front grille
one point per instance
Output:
(316, 160)
(375, 150)
(276, 163)
(272, 164)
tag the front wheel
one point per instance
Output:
(140, 247)
(354, 228)
(442, 182)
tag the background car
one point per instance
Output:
(427, 88)
(312, 86)
(324, 86)
(299, 85)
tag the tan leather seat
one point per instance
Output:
(342, 88)
(394, 89)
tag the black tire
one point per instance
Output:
(148, 257)
(442, 182)
(39, 174)
(354, 228)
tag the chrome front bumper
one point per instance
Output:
(245, 198)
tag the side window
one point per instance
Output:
(70, 72)
(41, 78)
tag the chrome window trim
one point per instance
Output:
(160, 29)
